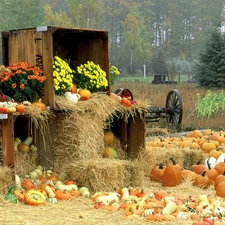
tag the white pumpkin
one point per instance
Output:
(72, 97)
(221, 158)
(210, 162)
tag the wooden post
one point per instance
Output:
(8, 141)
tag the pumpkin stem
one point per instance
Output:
(208, 164)
(161, 166)
(199, 162)
(203, 173)
(173, 161)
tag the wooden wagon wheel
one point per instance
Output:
(174, 108)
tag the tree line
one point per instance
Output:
(162, 34)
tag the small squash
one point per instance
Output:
(28, 185)
(108, 137)
(110, 152)
(84, 94)
(62, 195)
(23, 148)
(34, 197)
(39, 104)
(20, 108)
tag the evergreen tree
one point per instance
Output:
(210, 70)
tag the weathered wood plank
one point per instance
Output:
(47, 51)
(8, 141)
(135, 135)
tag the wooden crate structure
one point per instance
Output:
(39, 45)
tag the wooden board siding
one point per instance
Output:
(8, 141)
(135, 135)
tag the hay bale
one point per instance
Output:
(6, 179)
(81, 126)
(183, 156)
(105, 174)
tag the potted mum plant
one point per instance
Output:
(21, 81)
(62, 75)
(90, 76)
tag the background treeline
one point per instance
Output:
(165, 35)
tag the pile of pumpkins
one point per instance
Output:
(162, 206)
(41, 186)
(201, 175)
(7, 107)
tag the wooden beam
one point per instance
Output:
(8, 141)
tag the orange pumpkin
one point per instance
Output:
(39, 104)
(172, 174)
(195, 134)
(215, 153)
(75, 193)
(23, 147)
(188, 175)
(220, 178)
(73, 89)
(108, 137)
(84, 94)
(201, 180)
(160, 194)
(157, 173)
(20, 108)
(208, 146)
(70, 182)
(198, 168)
(220, 189)
(220, 167)
(211, 174)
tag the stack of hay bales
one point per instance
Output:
(79, 144)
